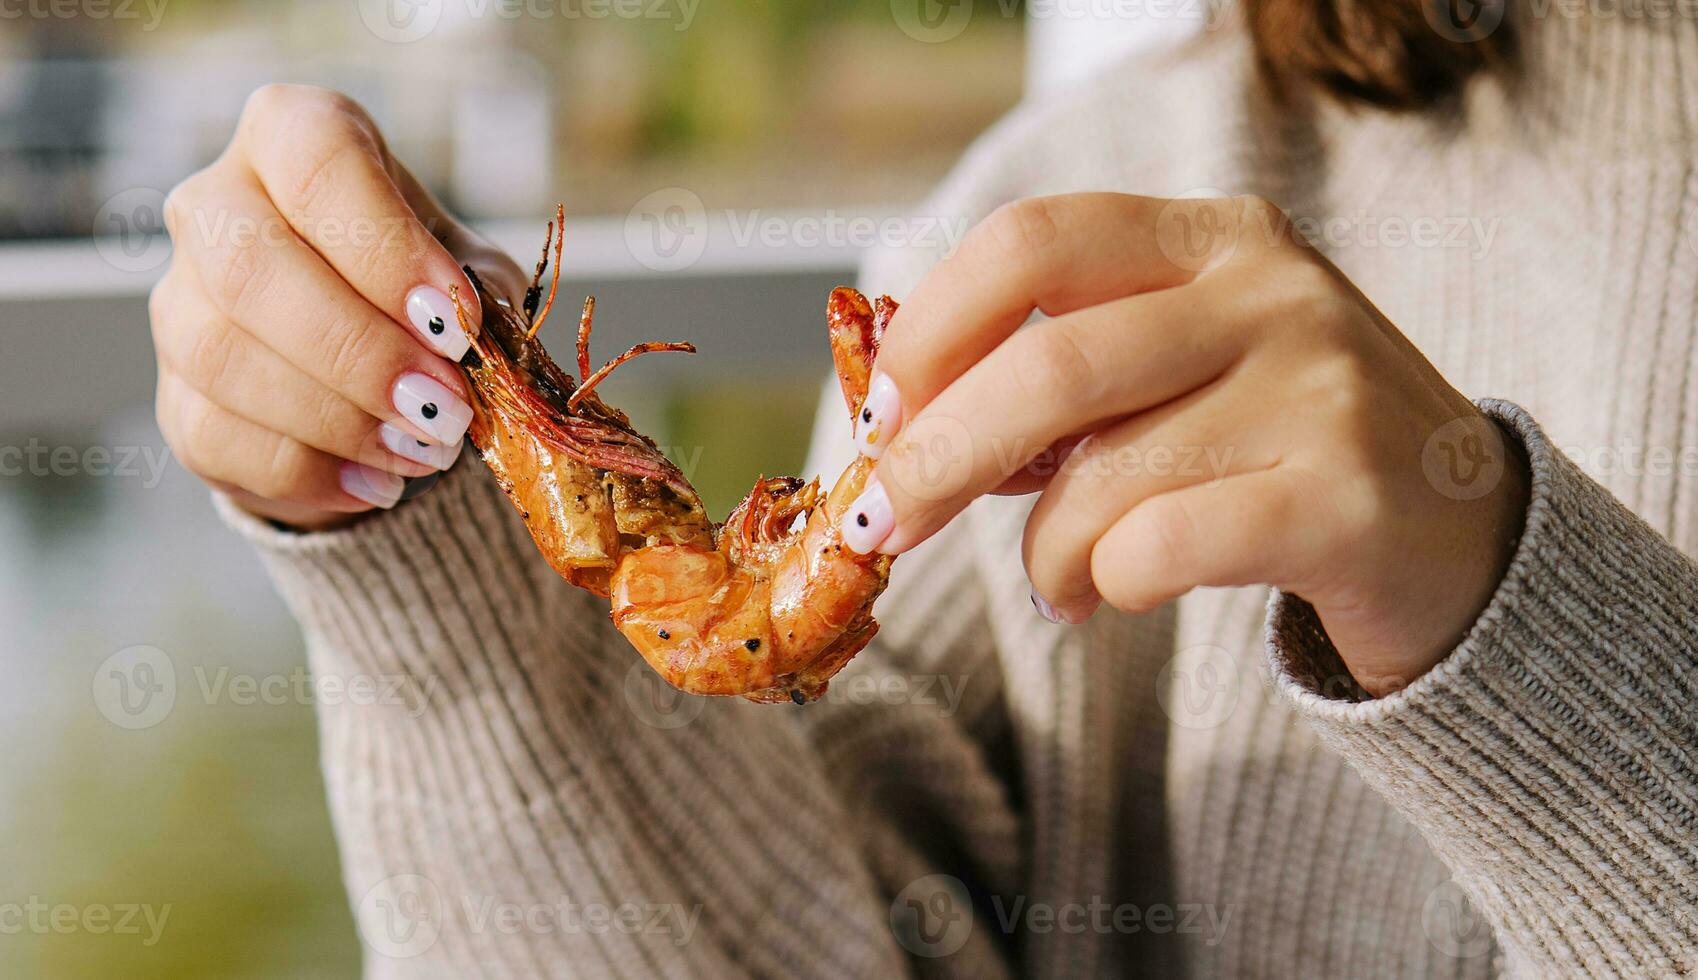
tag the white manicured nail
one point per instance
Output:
(438, 412)
(432, 315)
(869, 519)
(1044, 609)
(406, 446)
(375, 487)
(879, 418)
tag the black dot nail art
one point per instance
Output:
(866, 415)
(429, 410)
(437, 326)
(861, 519)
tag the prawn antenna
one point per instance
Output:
(584, 339)
(607, 369)
(557, 235)
(465, 322)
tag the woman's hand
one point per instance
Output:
(1211, 404)
(303, 330)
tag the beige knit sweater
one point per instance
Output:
(985, 794)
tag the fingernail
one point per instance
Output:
(1044, 609)
(879, 418)
(406, 446)
(432, 315)
(869, 519)
(438, 412)
(375, 487)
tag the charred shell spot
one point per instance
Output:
(797, 696)
(751, 645)
(663, 634)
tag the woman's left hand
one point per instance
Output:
(1211, 403)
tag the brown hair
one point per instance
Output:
(1398, 54)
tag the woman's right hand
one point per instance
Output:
(303, 330)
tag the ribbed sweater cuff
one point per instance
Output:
(407, 589)
(1551, 755)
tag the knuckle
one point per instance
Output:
(201, 429)
(345, 356)
(178, 204)
(281, 473)
(328, 422)
(1055, 361)
(279, 101)
(205, 355)
(242, 277)
(1023, 227)
(1253, 208)
(312, 180)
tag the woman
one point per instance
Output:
(1458, 740)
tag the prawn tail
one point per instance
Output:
(856, 327)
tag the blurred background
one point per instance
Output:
(723, 163)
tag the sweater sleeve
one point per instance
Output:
(516, 794)
(1549, 759)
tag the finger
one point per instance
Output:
(326, 169)
(1050, 254)
(500, 274)
(283, 294)
(220, 446)
(1160, 451)
(232, 369)
(1062, 376)
(1254, 529)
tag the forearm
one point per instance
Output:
(1549, 758)
(555, 818)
